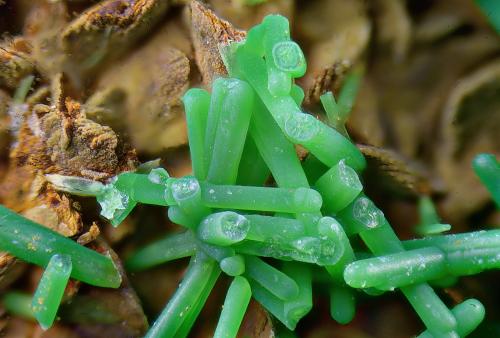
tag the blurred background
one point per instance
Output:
(93, 88)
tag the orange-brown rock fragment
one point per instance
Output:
(68, 143)
(209, 33)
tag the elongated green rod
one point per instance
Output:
(378, 235)
(430, 224)
(390, 271)
(278, 152)
(302, 304)
(333, 112)
(196, 102)
(340, 185)
(276, 250)
(342, 304)
(432, 258)
(193, 314)
(458, 242)
(19, 304)
(36, 244)
(348, 92)
(487, 169)
(253, 170)
(273, 304)
(300, 128)
(219, 92)
(50, 290)
(173, 246)
(274, 230)
(234, 308)
(469, 314)
(140, 188)
(271, 278)
(231, 131)
(260, 198)
(183, 302)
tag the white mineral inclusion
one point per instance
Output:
(76, 185)
(367, 213)
(111, 201)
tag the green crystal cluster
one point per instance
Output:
(61, 257)
(242, 139)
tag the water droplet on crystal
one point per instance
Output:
(234, 226)
(185, 187)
